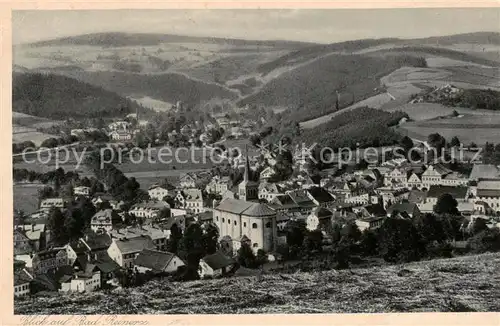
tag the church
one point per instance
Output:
(245, 218)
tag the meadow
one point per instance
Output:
(463, 284)
(26, 196)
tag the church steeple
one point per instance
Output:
(248, 190)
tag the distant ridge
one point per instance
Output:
(117, 39)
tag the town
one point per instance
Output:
(102, 232)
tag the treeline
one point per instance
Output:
(362, 127)
(58, 176)
(475, 99)
(59, 97)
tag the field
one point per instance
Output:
(26, 197)
(22, 134)
(463, 284)
(465, 134)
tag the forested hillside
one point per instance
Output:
(59, 97)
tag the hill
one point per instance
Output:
(118, 39)
(468, 283)
(168, 87)
(309, 91)
(59, 97)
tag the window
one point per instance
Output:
(235, 223)
(245, 224)
(254, 225)
(255, 245)
(268, 224)
(228, 221)
(223, 220)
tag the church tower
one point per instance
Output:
(248, 190)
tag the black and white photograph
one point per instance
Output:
(255, 161)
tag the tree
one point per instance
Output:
(350, 232)
(56, 221)
(446, 204)
(246, 256)
(174, 239)
(485, 241)
(313, 241)
(406, 143)
(295, 231)
(399, 241)
(479, 226)
(210, 239)
(369, 243)
(436, 141)
(45, 192)
(431, 228)
(455, 142)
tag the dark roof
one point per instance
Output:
(301, 199)
(417, 196)
(97, 241)
(259, 210)
(456, 192)
(488, 193)
(21, 277)
(156, 260)
(320, 195)
(105, 264)
(135, 244)
(404, 207)
(322, 212)
(218, 260)
(375, 210)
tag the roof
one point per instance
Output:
(375, 210)
(156, 260)
(300, 198)
(135, 244)
(322, 212)
(192, 194)
(488, 184)
(417, 196)
(259, 210)
(320, 194)
(144, 230)
(21, 277)
(437, 191)
(97, 241)
(484, 171)
(218, 260)
(32, 231)
(103, 216)
(488, 193)
(404, 207)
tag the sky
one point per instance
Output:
(308, 25)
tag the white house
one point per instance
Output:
(216, 264)
(81, 191)
(159, 192)
(102, 220)
(124, 251)
(85, 281)
(190, 199)
(149, 210)
(22, 280)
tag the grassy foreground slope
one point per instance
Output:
(470, 283)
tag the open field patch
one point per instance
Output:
(466, 134)
(26, 197)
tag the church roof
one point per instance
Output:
(241, 207)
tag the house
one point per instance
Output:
(267, 173)
(319, 219)
(302, 199)
(235, 218)
(397, 176)
(81, 191)
(119, 125)
(404, 209)
(149, 210)
(158, 235)
(159, 192)
(434, 175)
(100, 197)
(87, 280)
(459, 193)
(47, 203)
(414, 181)
(120, 135)
(157, 261)
(188, 180)
(217, 264)
(22, 282)
(320, 197)
(269, 191)
(103, 220)
(124, 251)
(190, 199)
(484, 171)
(29, 238)
(48, 260)
(218, 185)
(369, 223)
(486, 191)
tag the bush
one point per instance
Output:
(485, 241)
